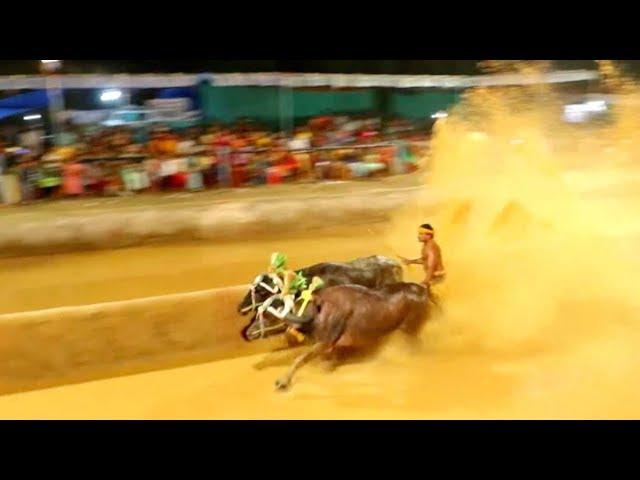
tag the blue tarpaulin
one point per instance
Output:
(22, 103)
(10, 112)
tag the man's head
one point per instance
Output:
(425, 232)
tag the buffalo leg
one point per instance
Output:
(411, 327)
(283, 382)
(336, 320)
(332, 358)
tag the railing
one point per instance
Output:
(142, 157)
(291, 80)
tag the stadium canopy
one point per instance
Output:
(291, 80)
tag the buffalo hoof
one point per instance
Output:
(330, 365)
(282, 384)
(292, 342)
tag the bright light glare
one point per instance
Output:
(35, 116)
(596, 106)
(579, 112)
(49, 61)
(110, 95)
(440, 114)
(593, 106)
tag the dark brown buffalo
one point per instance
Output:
(372, 272)
(351, 317)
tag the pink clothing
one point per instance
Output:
(72, 174)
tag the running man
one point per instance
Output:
(431, 259)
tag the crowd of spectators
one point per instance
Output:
(126, 160)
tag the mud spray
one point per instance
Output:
(538, 267)
(539, 225)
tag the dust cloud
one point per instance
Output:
(538, 221)
(538, 236)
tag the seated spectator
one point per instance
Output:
(210, 171)
(289, 165)
(305, 166)
(154, 146)
(258, 169)
(73, 178)
(301, 141)
(113, 181)
(229, 155)
(50, 178)
(95, 178)
(29, 175)
(153, 166)
(195, 180)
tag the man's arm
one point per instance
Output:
(408, 261)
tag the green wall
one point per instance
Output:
(226, 104)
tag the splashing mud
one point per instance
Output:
(535, 263)
(538, 221)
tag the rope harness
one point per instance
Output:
(298, 292)
(261, 307)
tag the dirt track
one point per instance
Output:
(57, 329)
(586, 371)
(81, 278)
(440, 382)
(434, 385)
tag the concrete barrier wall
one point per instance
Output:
(65, 345)
(219, 222)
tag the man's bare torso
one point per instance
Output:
(432, 250)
